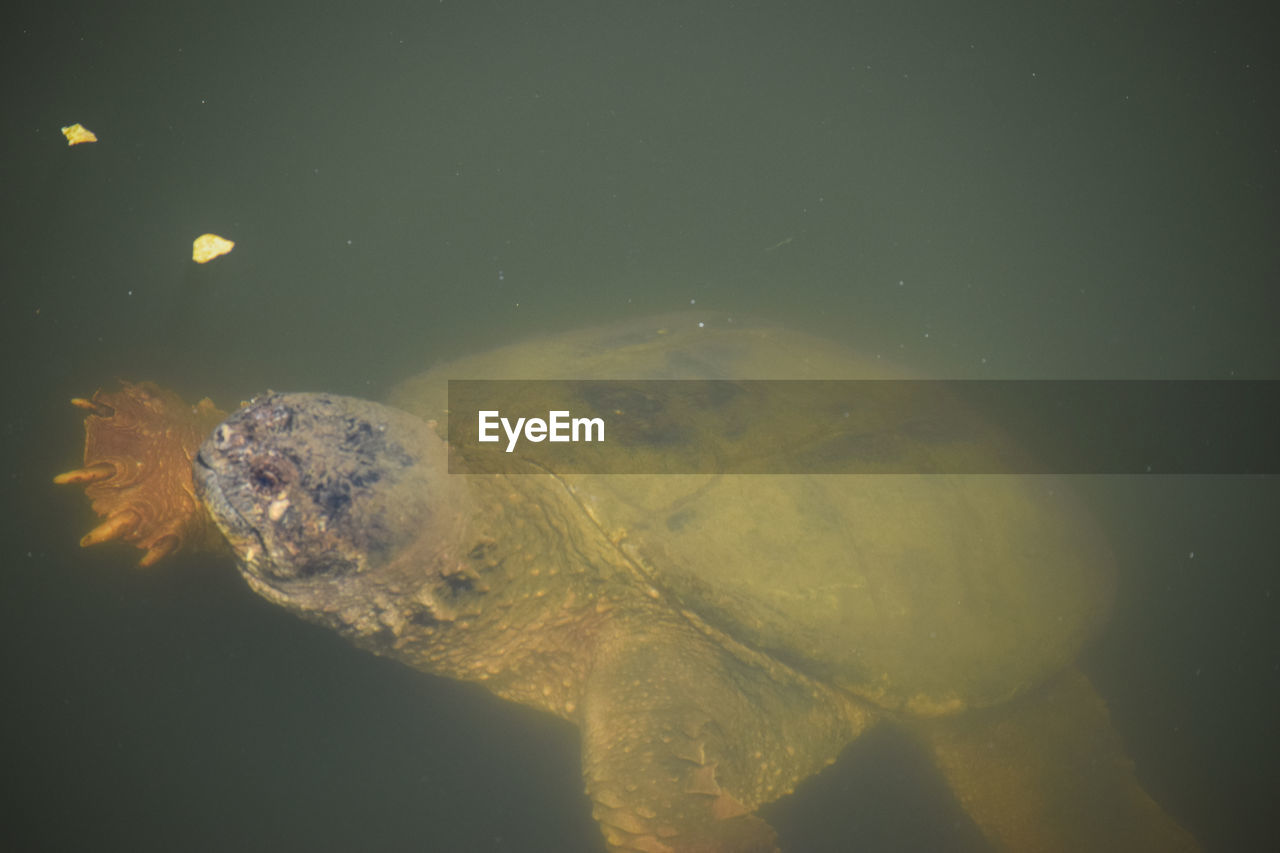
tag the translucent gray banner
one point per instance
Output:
(865, 427)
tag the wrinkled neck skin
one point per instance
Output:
(344, 512)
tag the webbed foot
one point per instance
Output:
(139, 443)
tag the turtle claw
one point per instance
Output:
(100, 409)
(90, 474)
(138, 449)
(163, 547)
(117, 526)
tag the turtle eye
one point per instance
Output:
(265, 478)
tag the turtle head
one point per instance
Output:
(329, 500)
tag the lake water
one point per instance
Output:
(992, 191)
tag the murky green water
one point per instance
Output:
(993, 192)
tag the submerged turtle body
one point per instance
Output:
(925, 593)
(716, 638)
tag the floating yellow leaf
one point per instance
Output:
(78, 133)
(209, 246)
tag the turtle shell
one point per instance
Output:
(926, 593)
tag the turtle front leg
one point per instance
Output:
(683, 739)
(139, 443)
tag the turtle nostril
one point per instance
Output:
(227, 438)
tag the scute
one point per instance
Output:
(925, 593)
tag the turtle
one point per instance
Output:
(716, 638)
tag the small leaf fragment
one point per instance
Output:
(78, 133)
(209, 246)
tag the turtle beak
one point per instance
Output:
(239, 533)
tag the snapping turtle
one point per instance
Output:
(716, 639)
